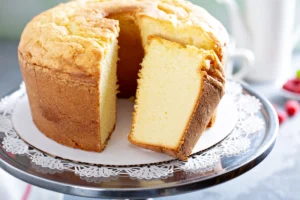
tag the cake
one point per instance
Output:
(179, 87)
(77, 57)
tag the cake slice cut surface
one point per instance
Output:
(108, 91)
(174, 82)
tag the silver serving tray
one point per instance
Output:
(126, 187)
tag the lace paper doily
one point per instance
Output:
(236, 143)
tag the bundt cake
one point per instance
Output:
(76, 57)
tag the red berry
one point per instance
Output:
(292, 85)
(296, 81)
(289, 86)
(297, 89)
(282, 116)
(292, 107)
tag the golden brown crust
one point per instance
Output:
(212, 93)
(212, 120)
(73, 37)
(69, 119)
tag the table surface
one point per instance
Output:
(277, 177)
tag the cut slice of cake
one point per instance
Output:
(179, 88)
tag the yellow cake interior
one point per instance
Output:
(168, 87)
(108, 90)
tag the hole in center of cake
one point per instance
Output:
(130, 54)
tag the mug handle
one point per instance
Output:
(247, 61)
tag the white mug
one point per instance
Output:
(267, 28)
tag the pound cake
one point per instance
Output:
(76, 57)
(178, 90)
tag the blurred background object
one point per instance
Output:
(268, 29)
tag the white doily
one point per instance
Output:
(236, 143)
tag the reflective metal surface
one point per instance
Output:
(125, 187)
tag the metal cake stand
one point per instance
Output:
(126, 187)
